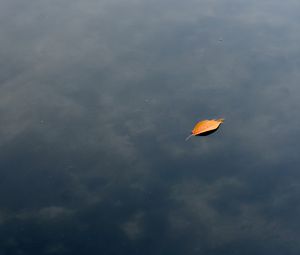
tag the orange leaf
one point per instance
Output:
(205, 127)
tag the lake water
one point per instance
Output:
(96, 100)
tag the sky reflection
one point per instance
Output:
(96, 100)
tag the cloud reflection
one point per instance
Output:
(96, 99)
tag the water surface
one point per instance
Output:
(96, 100)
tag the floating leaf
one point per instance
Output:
(205, 127)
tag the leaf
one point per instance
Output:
(205, 127)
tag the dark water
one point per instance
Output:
(96, 99)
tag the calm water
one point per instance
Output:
(96, 99)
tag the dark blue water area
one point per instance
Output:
(96, 100)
